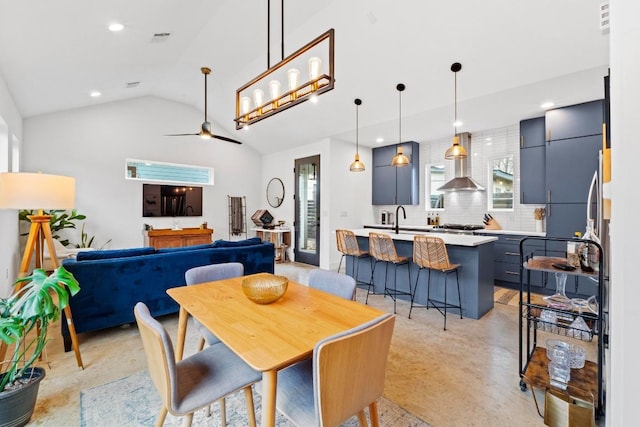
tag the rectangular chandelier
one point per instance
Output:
(283, 85)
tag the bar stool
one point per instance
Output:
(382, 249)
(431, 253)
(348, 246)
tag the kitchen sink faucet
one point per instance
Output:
(404, 215)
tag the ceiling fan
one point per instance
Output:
(205, 128)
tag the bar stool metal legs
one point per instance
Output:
(442, 306)
(431, 253)
(348, 245)
(382, 249)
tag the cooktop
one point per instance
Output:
(468, 227)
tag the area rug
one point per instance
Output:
(506, 296)
(133, 401)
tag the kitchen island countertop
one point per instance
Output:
(430, 228)
(449, 239)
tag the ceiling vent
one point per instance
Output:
(131, 85)
(604, 17)
(160, 37)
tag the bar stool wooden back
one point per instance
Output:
(383, 249)
(431, 253)
(348, 245)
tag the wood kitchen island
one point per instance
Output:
(473, 253)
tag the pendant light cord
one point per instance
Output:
(205, 97)
(400, 121)
(357, 127)
(455, 103)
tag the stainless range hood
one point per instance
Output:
(463, 180)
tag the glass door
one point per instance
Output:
(307, 223)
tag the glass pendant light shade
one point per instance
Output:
(400, 159)
(293, 76)
(314, 71)
(357, 165)
(274, 91)
(258, 99)
(456, 151)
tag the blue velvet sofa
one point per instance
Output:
(113, 281)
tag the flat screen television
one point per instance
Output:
(171, 200)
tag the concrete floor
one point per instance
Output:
(464, 376)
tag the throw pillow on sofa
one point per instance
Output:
(235, 243)
(114, 253)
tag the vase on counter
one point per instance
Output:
(539, 226)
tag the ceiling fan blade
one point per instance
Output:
(182, 134)
(224, 138)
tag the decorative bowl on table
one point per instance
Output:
(264, 288)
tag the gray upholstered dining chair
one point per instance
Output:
(334, 283)
(210, 273)
(345, 375)
(196, 381)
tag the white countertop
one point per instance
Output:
(430, 227)
(449, 239)
(521, 233)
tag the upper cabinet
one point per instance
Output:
(533, 189)
(570, 166)
(396, 185)
(532, 133)
(560, 169)
(574, 121)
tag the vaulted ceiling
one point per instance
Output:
(515, 55)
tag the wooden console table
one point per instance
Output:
(280, 237)
(169, 238)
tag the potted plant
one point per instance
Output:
(24, 320)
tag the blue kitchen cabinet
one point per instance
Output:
(506, 260)
(532, 132)
(382, 155)
(533, 189)
(393, 185)
(574, 121)
(570, 165)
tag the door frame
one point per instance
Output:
(306, 256)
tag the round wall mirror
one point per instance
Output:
(275, 192)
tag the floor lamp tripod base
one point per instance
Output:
(40, 234)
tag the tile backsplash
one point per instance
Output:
(469, 207)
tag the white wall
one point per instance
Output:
(91, 144)
(345, 197)
(9, 247)
(625, 152)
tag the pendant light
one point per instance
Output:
(400, 159)
(357, 165)
(456, 151)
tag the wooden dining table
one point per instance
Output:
(267, 337)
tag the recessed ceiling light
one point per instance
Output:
(95, 94)
(115, 27)
(379, 140)
(547, 104)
